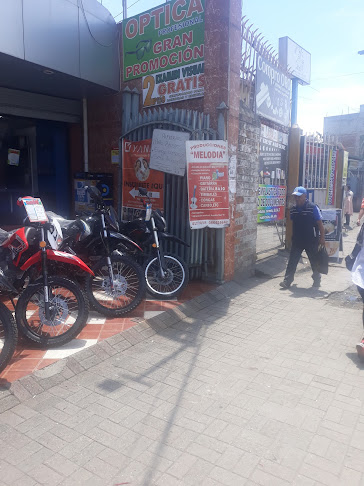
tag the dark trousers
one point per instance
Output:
(294, 258)
(361, 292)
(347, 217)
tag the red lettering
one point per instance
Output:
(198, 52)
(167, 14)
(144, 67)
(188, 82)
(177, 42)
(177, 15)
(131, 28)
(171, 87)
(180, 85)
(167, 45)
(195, 6)
(187, 38)
(136, 69)
(129, 70)
(201, 81)
(163, 61)
(173, 58)
(162, 89)
(144, 21)
(157, 48)
(153, 64)
(156, 14)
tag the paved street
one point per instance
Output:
(244, 385)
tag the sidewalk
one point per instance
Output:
(245, 385)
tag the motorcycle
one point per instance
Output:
(118, 285)
(50, 310)
(166, 275)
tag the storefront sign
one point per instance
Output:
(272, 155)
(208, 183)
(273, 92)
(164, 38)
(137, 173)
(168, 152)
(331, 177)
(271, 203)
(178, 84)
(103, 182)
(332, 221)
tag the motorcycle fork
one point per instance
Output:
(108, 259)
(47, 309)
(159, 249)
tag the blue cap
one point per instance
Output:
(299, 191)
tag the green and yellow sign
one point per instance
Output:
(164, 38)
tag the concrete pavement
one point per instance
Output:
(245, 385)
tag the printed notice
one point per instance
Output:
(208, 183)
(35, 210)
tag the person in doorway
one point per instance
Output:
(357, 276)
(348, 204)
(308, 234)
(361, 212)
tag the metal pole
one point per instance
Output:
(120, 178)
(294, 101)
(125, 9)
(85, 134)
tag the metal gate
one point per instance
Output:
(205, 256)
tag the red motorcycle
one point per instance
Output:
(50, 310)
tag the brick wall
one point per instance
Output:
(246, 191)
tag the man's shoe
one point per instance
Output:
(285, 285)
(360, 350)
(316, 283)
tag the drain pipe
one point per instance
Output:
(85, 135)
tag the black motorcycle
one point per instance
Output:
(118, 285)
(166, 275)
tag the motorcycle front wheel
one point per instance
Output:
(8, 336)
(123, 294)
(175, 278)
(68, 312)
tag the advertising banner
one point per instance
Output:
(137, 173)
(331, 177)
(271, 203)
(178, 84)
(332, 221)
(103, 182)
(272, 155)
(273, 92)
(164, 38)
(208, 183)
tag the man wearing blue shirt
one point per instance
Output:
(308, 234)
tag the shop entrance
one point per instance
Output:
(33, 161)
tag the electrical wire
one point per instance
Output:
(89, 29)
(126, 8)
(339, 76)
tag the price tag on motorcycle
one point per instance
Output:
(148, 212)
(35, 210)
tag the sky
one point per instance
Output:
(331, 30)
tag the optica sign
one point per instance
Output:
(165, 37)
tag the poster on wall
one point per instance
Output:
(331, 177)
(273, 92)
(271, 203)
(208, 183)
(164, 38)
(137, 173)
(168, 152)
(332, 221)
(179, 84)
(272, 156)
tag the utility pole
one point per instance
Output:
(125, 9)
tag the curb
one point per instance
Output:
(42, 380)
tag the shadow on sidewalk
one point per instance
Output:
(354, 358)
(300, 292)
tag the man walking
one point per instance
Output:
(308, 233)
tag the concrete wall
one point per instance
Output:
(350, 131)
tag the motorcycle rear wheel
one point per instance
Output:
(175, 281)
(8, 336)
(129, 286)
(69, 314)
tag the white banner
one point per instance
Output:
(179, 84)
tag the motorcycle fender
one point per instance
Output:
(58, 256)
(167, 236)
(119, 236)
